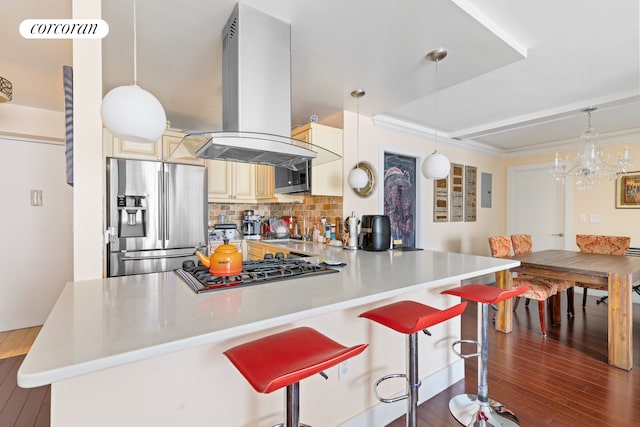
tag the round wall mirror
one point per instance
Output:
(371, 183)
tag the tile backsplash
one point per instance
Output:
(309, 212)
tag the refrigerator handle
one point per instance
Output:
(167, 197)
(161, 207)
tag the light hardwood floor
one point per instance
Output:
(17, 342)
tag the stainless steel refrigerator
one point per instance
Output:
(156, 215)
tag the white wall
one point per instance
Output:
(599, 201)
(28, 122)
(37, 249)
(461, 237)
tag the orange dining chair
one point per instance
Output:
(604, 245)
(523, 244)
(538, 289)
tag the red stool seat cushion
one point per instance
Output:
(282, 359)
(486, 294)
(409, 317)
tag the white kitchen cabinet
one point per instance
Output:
(326, 179)
(257, 250)
(231, 182)
(265, 188)
(264, 183)
(164, 149)
(172, 152)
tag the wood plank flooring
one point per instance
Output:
(17, 342)
(563, 380)
(22, 407)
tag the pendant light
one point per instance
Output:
(436, 165)
(130, 112)
(358, 178)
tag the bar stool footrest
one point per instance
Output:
(392, 399)
(469, 411)
(468, 355)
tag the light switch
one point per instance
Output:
(36, 197)
(596, 218)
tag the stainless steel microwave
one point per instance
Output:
(293, 181)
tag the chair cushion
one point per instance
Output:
(605, 245)
(522, 243)
(537, 289)
(282, 359)
(561, 284)
(409, 317)
(500, 246)
(486, 294)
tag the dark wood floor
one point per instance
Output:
(563, 380)
(21, 407)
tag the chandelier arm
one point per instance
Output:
(590, 163)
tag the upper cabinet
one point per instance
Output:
(231, 182)
(234, 182)
(164, 149)
(326, 179)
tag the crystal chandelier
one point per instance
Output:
(590, 164)
(6, 90)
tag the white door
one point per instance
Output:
(536, 205)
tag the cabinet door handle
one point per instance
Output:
(558, 234)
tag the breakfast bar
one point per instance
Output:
(147, 350)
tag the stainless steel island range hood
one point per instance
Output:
(256, 103)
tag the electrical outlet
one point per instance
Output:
(343, 369)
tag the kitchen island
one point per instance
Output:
(147, 350)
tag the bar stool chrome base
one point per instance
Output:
(478, 409)
(469, 411)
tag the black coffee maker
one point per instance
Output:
(375, 233)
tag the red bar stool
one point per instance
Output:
(285, 358)
(410, 317)
(472, 409)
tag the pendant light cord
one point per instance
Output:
(437, 108)
(135, 46)
(357, 132)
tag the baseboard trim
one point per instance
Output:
(382, 414)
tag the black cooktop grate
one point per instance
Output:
(255, 272)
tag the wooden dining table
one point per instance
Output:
(616, 273)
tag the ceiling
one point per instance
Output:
(517, 76)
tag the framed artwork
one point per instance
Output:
(441, 200)
(457, 192)
(67, 86)
(628, 190)
(400, 196)
(470, 192)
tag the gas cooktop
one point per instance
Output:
(256, 272)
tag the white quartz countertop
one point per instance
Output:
(101, 323)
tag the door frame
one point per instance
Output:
(512, 171)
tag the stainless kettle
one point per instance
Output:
(351, 225)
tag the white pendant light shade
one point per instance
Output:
(436, 166)
(358, 178)
(133, 114)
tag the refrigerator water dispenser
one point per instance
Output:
(132, 216)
